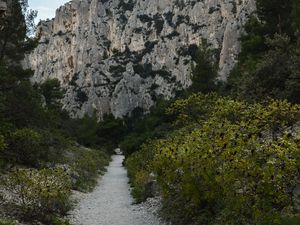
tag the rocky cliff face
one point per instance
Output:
(113, 56)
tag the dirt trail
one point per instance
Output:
(111, 203)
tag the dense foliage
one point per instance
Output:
(232, 160)
(139, 127)
(85, 167)
(40, 161)
(105, 134)
(216, 160)
(39, 193)
(34, 129)
(269, 62)
(205, 70)
(43, 194)
(238, 163)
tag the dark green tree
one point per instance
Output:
(268, 64)
(52, 92)
(295, 17)
(86, 130)
(205, 70)
(276, 15)
(110, 132)
(25, 147)
(16, 24)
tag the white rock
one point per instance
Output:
(117, 55)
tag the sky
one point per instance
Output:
(46, 8)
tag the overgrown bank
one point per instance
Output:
(40, 160)
(227, 162)
(231, 157)
(217, 160)
(44, 194)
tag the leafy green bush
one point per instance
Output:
(38, 194)
(55, 144)
(133, 142)
(58, 221)
(3, 145)
(86, 165)
(139, 169)
(25, 146)
(238, 164)
(194, 109)
(7, 222)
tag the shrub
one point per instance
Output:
(141, 179)
(133, 141)
(230, 179)
(7, 222)
(38, 194)
(3, 146)
(86, 165)
(25, 146)
(54, 143)
(2, 143)
(238, 164)
(139, 169)
(58, 221)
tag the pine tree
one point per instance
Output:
(268, 63)
(205, 70)
(16, 24)
(275, 14)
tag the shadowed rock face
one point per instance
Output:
(3, 7)
(116, 55)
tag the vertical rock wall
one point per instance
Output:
(113, 56)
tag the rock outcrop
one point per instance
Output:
(113, 56)
(3, 7)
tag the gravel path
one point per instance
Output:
(111, 203)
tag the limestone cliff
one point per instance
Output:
(116, 55)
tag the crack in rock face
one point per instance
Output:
(114, 56)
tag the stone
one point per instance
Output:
(3, 7)
(114, 56)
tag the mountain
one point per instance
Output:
(114, 56)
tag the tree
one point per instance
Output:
(295, 17)
(86, 130)
(292, 84)
(52, 93)
(25, 147)
(16, 24)
(279, 16)
(269, 62)
(110, 132)
(275, 74)
(20, 103)
(205, 72)
(272, 17)
(23, 105)
(275, 15)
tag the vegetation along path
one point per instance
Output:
(111, 203)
